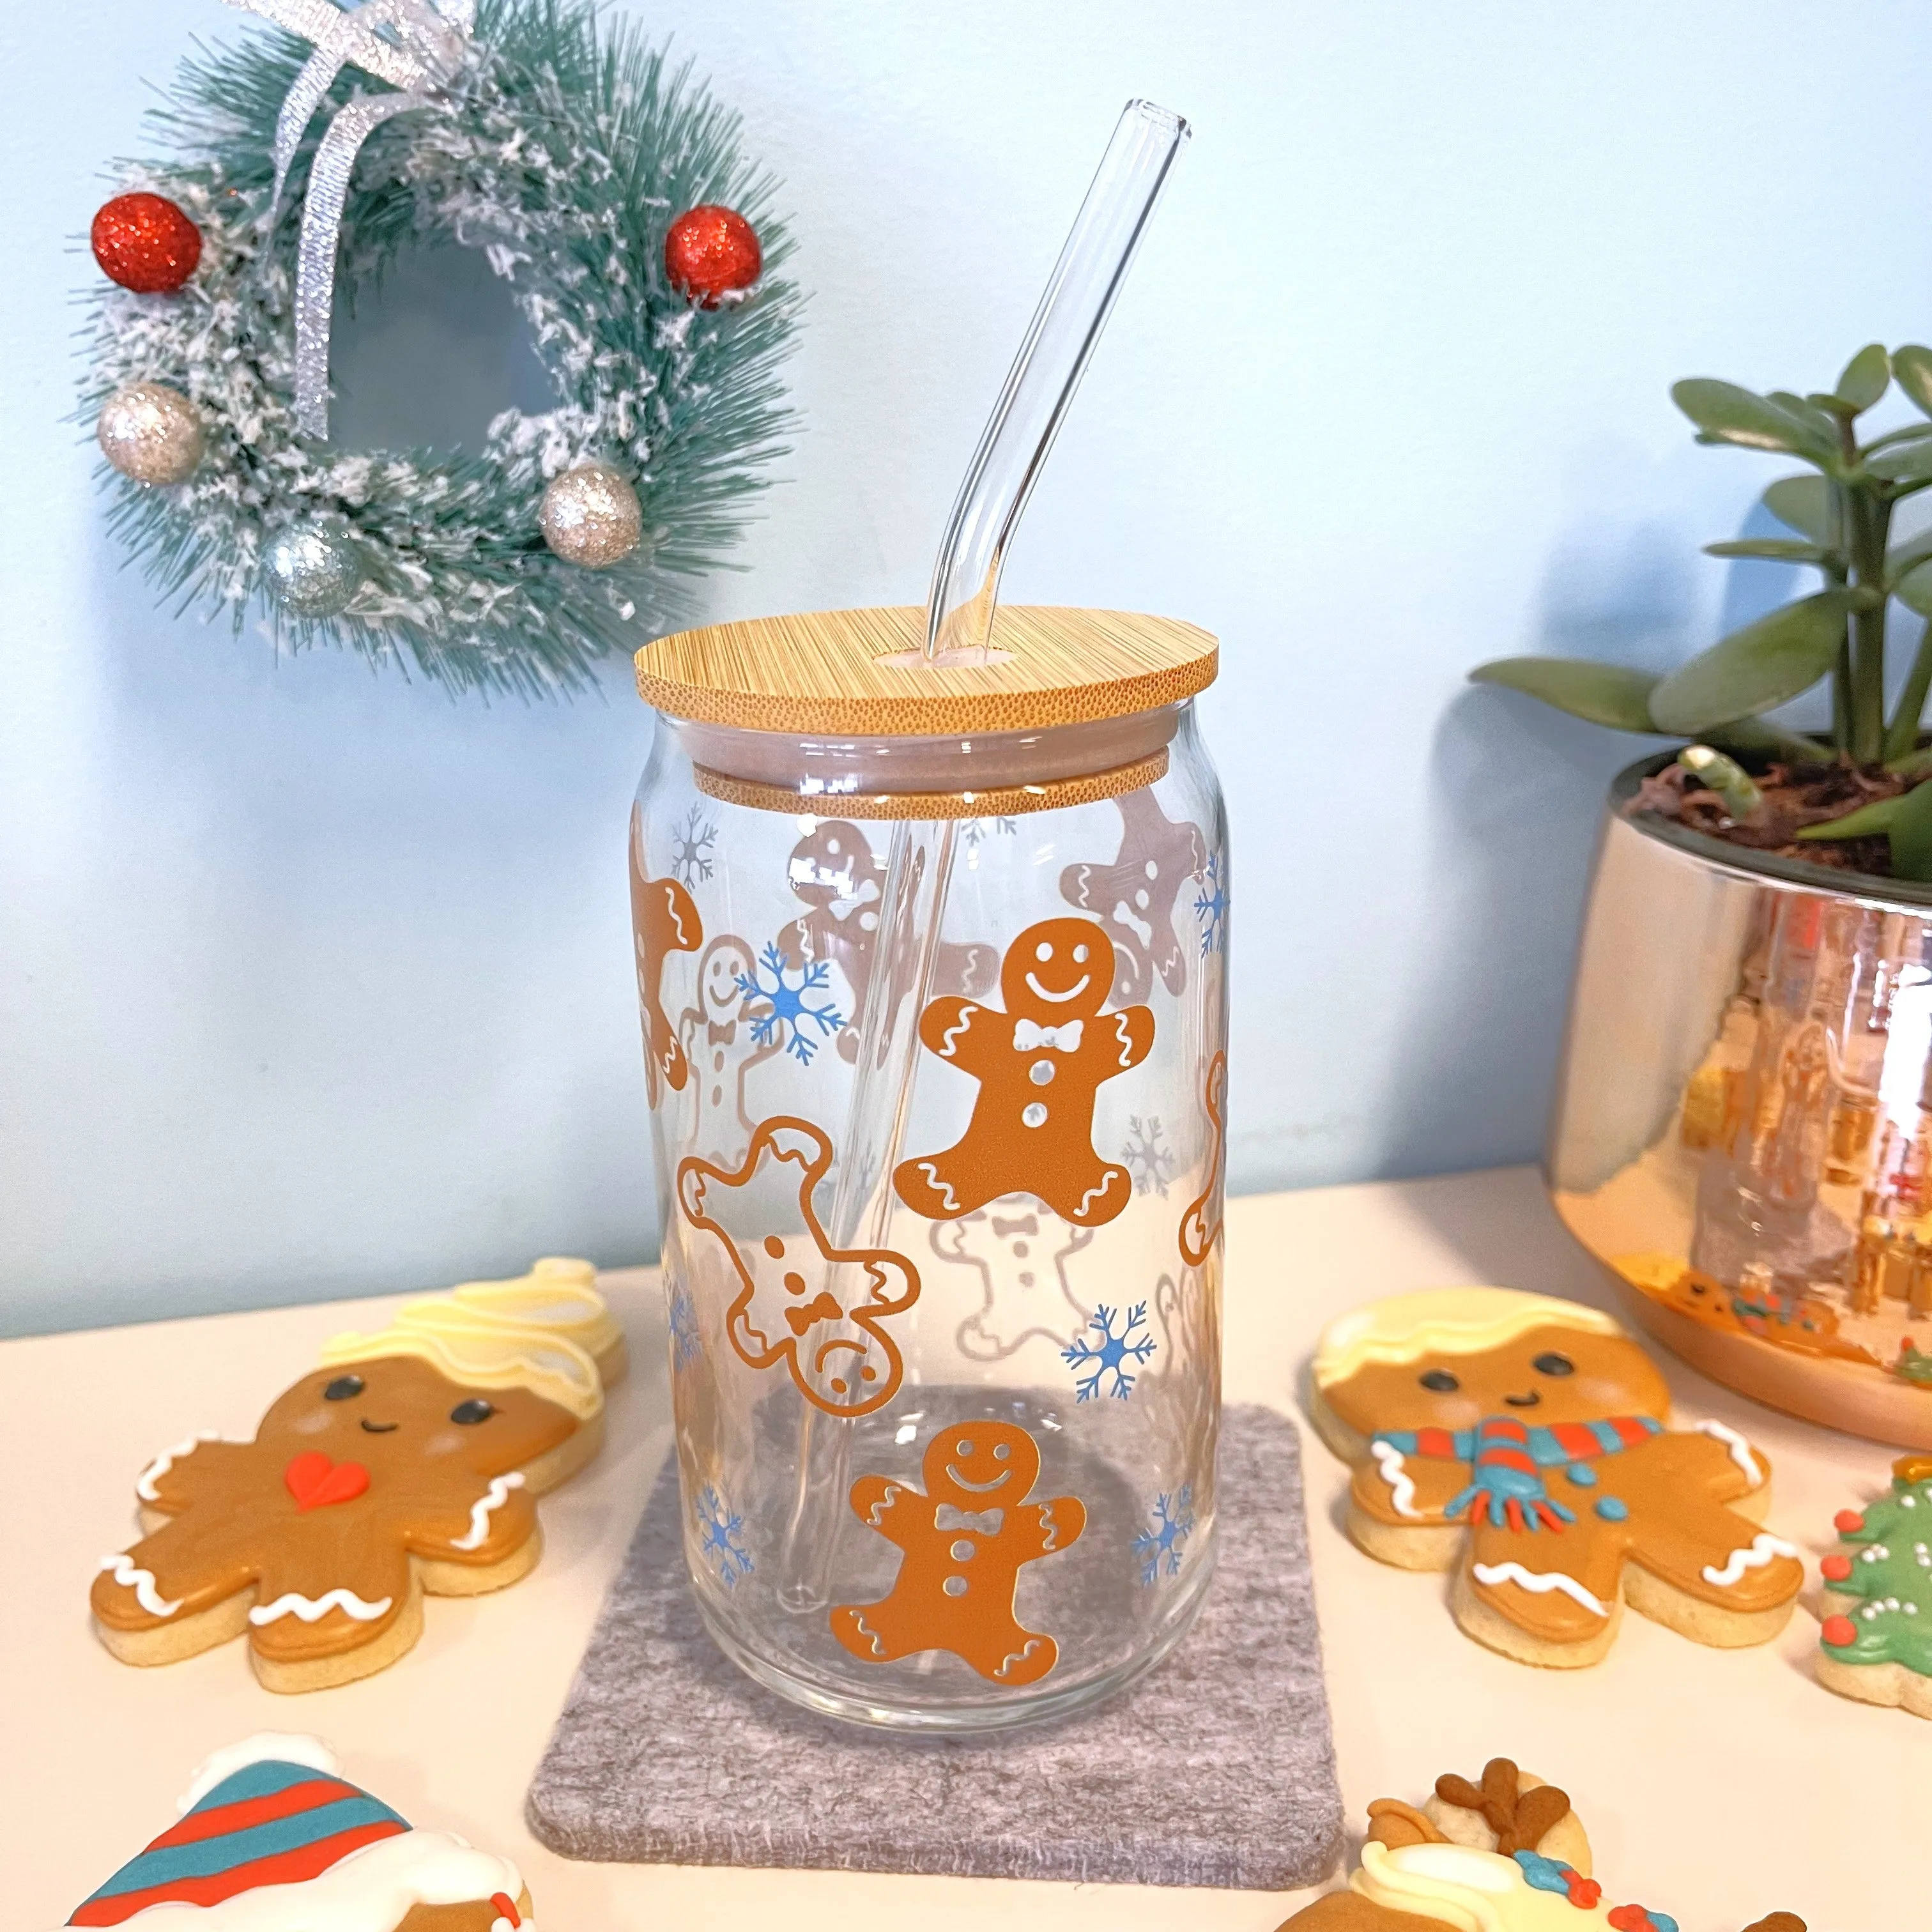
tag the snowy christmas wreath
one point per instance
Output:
(608, 193)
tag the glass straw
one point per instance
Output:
(1053, 356)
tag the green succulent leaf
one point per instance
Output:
(1751, 671)
(1903, 558)
(1781, 549)
(1808, 410)
(1802, 503)
(1752, 738)
(1867, 377)
(1862, 824)
(1913, 366)
(1911, 835)
(1604, 694)
(1903, 462)
(1914, 590)
(1726, 413)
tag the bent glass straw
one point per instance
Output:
(1013, 448)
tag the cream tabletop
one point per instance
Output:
(1717, 1785)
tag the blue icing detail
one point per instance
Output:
(1612, 1509)
(1582, 1475)
(203, 1858)
(1546, 1874)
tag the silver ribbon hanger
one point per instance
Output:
(418, 46)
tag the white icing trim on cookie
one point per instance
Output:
(1473, 1891)
(142, 1582)
(1402, 1488)
(1762, 1549)
(373, 1889)
(1740, 1451)
(1540, 1583)
(144, 1483)
(497, 1495)
(1445, 1321)
(309, 1609)
(264, 1747)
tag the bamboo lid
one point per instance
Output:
(859, 673)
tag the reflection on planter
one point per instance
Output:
(1743, 1131)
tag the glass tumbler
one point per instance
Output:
(932, 965)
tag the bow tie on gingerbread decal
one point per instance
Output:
(1029, 1037)
(946, 1519)
(418, 47)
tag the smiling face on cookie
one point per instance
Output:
(979, 1466)
(1548, 1374)
(727, 960)
(832, 862)
(1061, 969)
(396, 1413)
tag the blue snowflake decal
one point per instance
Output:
(684, 1339)
(691, 840)
(1210, 907)
(1158, 1546)
(720, 1540)
(1110, 1352)
(786, 1006)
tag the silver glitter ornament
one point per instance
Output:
(151, 433)
(312, 572)
(590, 516)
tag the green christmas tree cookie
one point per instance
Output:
(1877, 1642)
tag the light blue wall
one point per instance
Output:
(312, 983)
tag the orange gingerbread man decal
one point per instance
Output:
(1039, 1064)
(965, 1540)
(817, 1309)
(663, 919)
(1201, 1223)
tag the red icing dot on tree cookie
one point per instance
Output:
(1835, 1569)
(1848, 1522)
(1838, 1631)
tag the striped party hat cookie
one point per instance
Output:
(271, 1837)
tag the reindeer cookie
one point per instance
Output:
(721, 1045)
(1521, 1441)
(1039, 1064)
(663, 920)
(965, 1541)
(409, 1464)
(820, 1311)
(272, 1838)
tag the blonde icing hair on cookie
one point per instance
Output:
(470, 1347)
(1443, 1321)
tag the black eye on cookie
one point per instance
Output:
(343, 1389)
(474, 1410)
(1554, 1364)
(1439, 1381)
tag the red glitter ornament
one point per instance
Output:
(146, 243)
(711, 252)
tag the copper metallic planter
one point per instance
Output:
(1743, 1126)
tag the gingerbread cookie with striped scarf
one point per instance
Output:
(1523, 1443)
(408, 1465)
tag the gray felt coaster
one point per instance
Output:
(1215, 1769)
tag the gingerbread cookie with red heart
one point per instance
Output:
(408, 1465)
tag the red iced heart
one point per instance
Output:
(315, 1482)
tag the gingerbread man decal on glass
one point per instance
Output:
(663, 920)
(818, 1310)
(722, 1045)
(1201, 1222)
(965, 1540)
(1134, 897)
(1040, 1064)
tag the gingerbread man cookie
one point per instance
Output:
(272, 1837)
(964, 1541)
(1521, 1442)
(722, 1044)
(1039, 1064)
(1507, 1856)
(820, 1311)
(1134, 897)
(409, 1464)
(663, 920)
